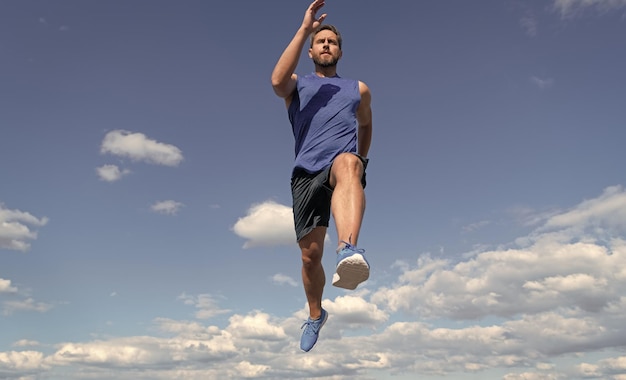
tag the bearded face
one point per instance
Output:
(325, 60)
(325, 50)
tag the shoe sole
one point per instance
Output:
(351, 271)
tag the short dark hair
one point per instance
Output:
(332, 28)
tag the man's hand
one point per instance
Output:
(310, 21)
(284, 77)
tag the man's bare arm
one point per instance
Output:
(283, 77)
(364, 118)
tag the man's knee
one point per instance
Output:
(312, 246)
(346, 165)
(348, 160)
(311, 257)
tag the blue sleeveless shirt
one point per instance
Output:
(323, 118)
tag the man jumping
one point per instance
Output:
(331, 118)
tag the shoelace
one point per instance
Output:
(352, 248)
(313, 324)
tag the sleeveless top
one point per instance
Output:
(323, 118)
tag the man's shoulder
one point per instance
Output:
(363, 89)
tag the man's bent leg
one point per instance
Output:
(348, 200)
(313, 277)
(348, 207)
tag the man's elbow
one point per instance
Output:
(283, 85)
(276, 82)
(280, 87)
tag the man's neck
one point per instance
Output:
(326, 72)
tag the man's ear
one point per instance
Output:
(310, 53)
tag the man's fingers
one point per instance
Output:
(316, 5)
(312, 11)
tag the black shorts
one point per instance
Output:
(311, 198)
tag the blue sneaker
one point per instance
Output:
(352, 267)
(312, 331)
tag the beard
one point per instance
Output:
(328, 62)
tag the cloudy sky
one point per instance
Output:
(145, 220)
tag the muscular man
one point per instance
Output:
(331, 120)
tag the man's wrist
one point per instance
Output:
(305, 30)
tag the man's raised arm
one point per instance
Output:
(283, 76)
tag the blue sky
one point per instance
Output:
(145, 221)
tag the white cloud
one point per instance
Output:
(111, 173)
(267, 224)
(205, 303)
(529, 24)
(5, 286)
(139, 147)
(14, 230)
(613, 366)
(529, 217)
(574, 262)
(168, 207)
(185, 328)
(282, 279)
(27, 304)
(26, 343)
(249, 370)
(533, 376)
(475, 226)
(505, 283)
(22, 361)
(542, 83)
(544, 310)
(256, 325)
(606, 211)
(355, 311)
(207, 356)
(569, 8)
(143, 352)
